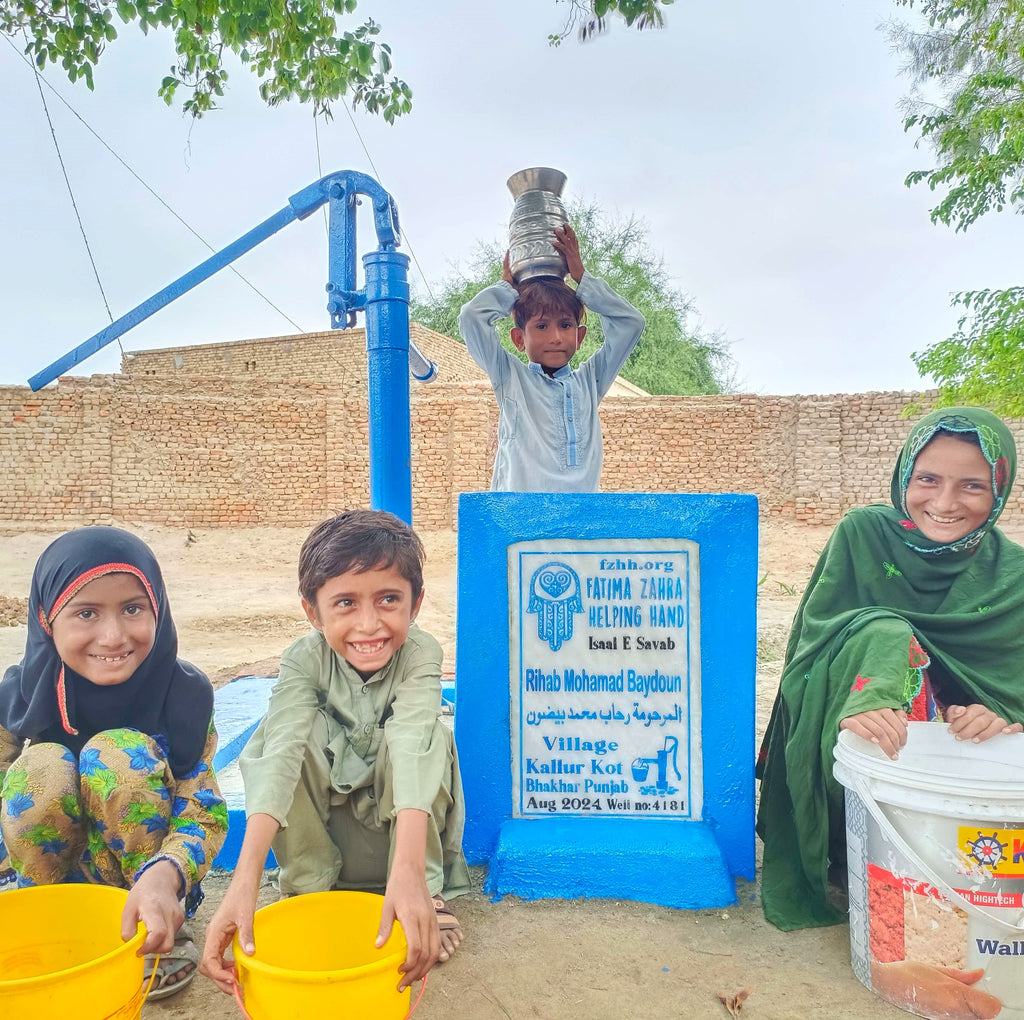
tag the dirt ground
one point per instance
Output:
(234, 601)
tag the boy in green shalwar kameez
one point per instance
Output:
(351, 775)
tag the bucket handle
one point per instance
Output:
(152, 976)
(236, 990)
(890, 833)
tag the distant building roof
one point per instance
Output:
(333, 354)
(330, 354)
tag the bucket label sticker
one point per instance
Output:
(911, 920)
(998, 851)
(605, 678)
(938, 959)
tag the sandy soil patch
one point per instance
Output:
(12, 611)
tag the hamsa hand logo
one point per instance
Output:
(555, 598)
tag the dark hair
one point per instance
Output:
(546, 295)
(359, 540)
(970, 436)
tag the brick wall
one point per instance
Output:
(226, 451)
(336, 355)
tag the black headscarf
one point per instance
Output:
(165, 698)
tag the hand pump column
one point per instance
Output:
(385, 298)
(387, 356)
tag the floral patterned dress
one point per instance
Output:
(108, 813)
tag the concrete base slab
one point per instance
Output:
(671, 863)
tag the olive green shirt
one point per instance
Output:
(403, 699)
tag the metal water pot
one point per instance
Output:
(531, 227)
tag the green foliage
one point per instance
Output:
(972, 56)
(296, 47)
(592, 17)
(983, 361)
(672, 357)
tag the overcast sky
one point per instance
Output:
(761, 143)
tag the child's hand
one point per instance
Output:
(568, 244)
(407, 901)
(153, 900)
(234, 914)
(977, 723)
(886, 727)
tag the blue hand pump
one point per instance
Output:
(384, 298)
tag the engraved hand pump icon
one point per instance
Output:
(641, 766)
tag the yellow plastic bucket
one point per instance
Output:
(315, 957)
(61, 954)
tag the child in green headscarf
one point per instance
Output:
(914, 610)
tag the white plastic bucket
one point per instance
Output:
(935, 848)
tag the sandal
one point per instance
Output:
(446, 921)
(170, 965)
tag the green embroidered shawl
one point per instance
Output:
(965, 603)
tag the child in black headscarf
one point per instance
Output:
(107, 744)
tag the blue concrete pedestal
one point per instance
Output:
(683, 862)
(674, 865)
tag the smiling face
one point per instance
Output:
(550, 340)
(365, 616)
(106, 631)
(950, 490)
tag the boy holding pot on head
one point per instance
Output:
(549, 433)
(351, 775)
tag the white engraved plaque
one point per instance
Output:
(605, 678)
